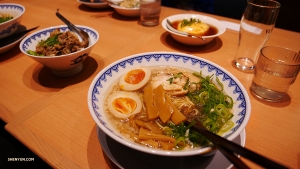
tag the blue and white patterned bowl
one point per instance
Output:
(109, 75)
(63, 65)
(11, 26)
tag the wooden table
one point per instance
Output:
(50, 115)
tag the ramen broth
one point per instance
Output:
(131, 127)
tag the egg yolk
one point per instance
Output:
(135, 76)
(124, 105)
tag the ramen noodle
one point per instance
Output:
(151, 105)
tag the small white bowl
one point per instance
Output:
(11, 26)
(97, 4)
(129, 12)
(108, 76)
(188, 40)
(63, 65)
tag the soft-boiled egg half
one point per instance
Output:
(135, 79)
(123, 104)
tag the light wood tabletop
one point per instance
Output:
(50, 115)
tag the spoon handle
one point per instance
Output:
(71, 26)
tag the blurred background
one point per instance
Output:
(288, 17)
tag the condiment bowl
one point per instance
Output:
(104, 81)
(189, 40)
(62, 65)
(9, 27)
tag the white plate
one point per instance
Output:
(125, 157)
(14, 43)
(95, 4)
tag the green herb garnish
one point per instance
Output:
(50, 41)
(178, 75)
(5, 18)
(186, 22)
(186, 135)
(30, 52)
(216, 105)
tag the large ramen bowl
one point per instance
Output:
(9, 27)
(188, 40)
(62, 65)
(108, 76)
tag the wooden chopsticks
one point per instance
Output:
(229, 149)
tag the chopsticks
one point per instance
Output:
(14, 37)
(228, 149)
(232, 157)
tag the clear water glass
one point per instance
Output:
(276, 70)
(256, 26)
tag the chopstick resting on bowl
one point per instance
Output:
(14, 37)
(229, 148)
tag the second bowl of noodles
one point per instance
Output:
(143, 101)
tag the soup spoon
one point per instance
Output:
(82, 35)
(183, 33)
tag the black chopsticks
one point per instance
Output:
(229, 149)
(8, 40)
(232, 157)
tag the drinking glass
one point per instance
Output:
(150, 11)
(256, 26)
(275, 71)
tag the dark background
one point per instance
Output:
(288, 17)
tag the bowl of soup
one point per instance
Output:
(10, 18)
(193, 29)
(128, 8)
(144, 101)
(59, 49)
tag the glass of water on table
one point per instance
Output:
(150, 11)
(276, 70)
(256, 26)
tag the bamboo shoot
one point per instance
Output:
(145, 134)
(152, 112)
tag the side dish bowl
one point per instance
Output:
(109, 75)
(129, 12)
(97, 4)
(62, 65)
(188, 40)
(9, 27)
